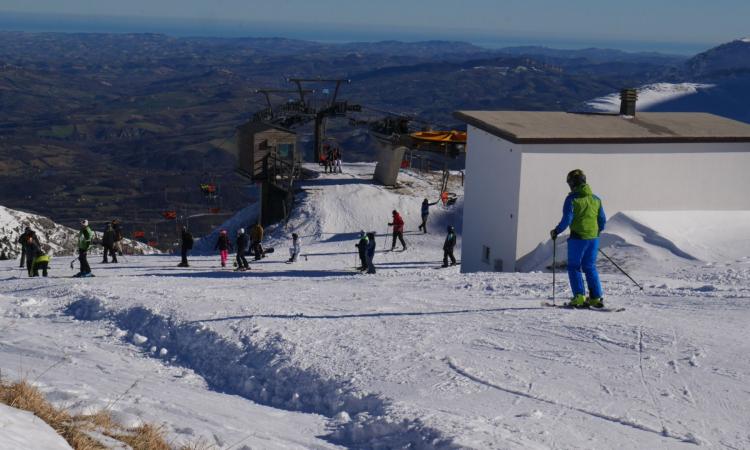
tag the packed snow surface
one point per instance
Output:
(315, 355)
(22, 430)
(649, 96)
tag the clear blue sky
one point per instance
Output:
(698, 21)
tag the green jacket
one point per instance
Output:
(583, 213)
(85, 237)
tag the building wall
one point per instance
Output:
(629, 177)
(254, 145)
(493, 171)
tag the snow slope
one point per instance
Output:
(55, 239)
(21, 430)
(412, 357)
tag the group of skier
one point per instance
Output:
(582, 213)
(332, 159)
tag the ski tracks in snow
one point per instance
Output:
(466, 372)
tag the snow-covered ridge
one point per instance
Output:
(747, 39)
(55, 239)
(650, 239)
(649, 96)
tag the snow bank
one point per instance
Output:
(55, 239)
(649, 96)
(647, 239)
(257, 372)
(22, 430)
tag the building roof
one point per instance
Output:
(543, 127)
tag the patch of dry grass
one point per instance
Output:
(75, 429)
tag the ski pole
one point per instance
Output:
(554, 263)
(620, 268)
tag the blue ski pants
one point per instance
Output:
(582, 259)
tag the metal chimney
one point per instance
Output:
(628, 98)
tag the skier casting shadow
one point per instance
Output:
(584, 214)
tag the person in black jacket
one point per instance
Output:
(28, 242)
(117, 228)
(448, 246)
(242, 241)
(22, 240)
(186, 244)
(223, 246)
(362, 248)
(108, 242)
(370, 252)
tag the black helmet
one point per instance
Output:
(576, 178)
(294, 236)
(450, 228)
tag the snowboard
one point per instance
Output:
(567, 305)
(267, 251)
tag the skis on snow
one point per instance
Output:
(569, 306)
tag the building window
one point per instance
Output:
(485, 254)
(285, 150)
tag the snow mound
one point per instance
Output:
(708, 236)
(56, 239)
(747, 39)
(647, 239)
(243, 219)
(649, 96)
(23, 430)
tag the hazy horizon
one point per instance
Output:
(321, 32)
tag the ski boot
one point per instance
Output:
(595, 302)
(579, 301)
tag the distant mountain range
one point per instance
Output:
(718, 81)
(129, 125)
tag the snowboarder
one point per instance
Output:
(85, 238)
(362, 249)
(26, 240)
(108, 242)
(448, 246)
(223, 246)
(584, 214)
(398, 230)
(186, 244)
(256, 236)
(294, 249)
(370, 252)
(426, 213)
(242, 263)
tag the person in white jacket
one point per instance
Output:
(294, 249)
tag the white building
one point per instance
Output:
(517, 163)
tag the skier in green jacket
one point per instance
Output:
(583, 213)
(85, 238)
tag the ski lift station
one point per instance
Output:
(515, 173)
